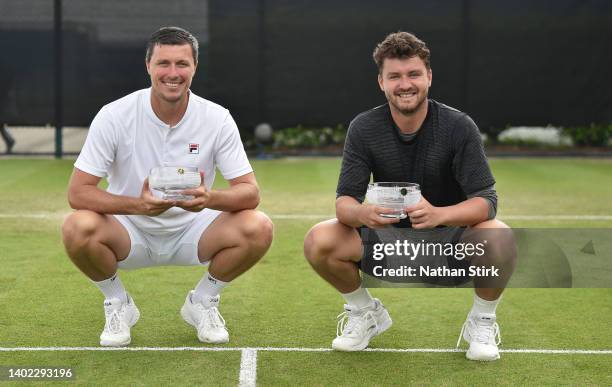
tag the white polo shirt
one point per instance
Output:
(126, 140)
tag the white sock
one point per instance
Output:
(484, 306)
(359, 298)
(208, 287)
(112, 288)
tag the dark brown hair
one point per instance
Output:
(173, 36)
(400, 45)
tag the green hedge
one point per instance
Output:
(593, 135)
(300, 137)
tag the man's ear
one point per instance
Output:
(380, 82)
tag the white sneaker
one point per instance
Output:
(356, 327)
(120, 317)
(207, 320)
(482, 333)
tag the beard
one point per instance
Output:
(407, 110)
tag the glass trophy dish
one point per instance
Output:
(171, 181)
(394, 195)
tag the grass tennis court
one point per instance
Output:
(46, 302)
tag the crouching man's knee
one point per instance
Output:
(79, 228)
(318, 244)
(500, 242)
(257, 228)
(500, 250)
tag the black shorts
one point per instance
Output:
(435, 261)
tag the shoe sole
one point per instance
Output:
(190, 321)
(470, 356)
(483, 360)
(115, 343)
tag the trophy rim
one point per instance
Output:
(390, 184)
(172, 168)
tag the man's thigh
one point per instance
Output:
(224, 232)
(230, 229)
(117, 236)
(103, 229)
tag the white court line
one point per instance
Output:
(57, 215)
(40, 215)
(556, 217)
(248, 368)
(289, 349)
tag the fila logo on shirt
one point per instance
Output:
(194, 149)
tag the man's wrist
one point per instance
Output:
(136, 206)
(358, 213)
(443, 215)
(210, 198)
(355, 215)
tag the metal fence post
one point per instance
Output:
(58, 103)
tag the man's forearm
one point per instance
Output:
(467, 213)
(347, 211)
(241, 196)
(94, 199)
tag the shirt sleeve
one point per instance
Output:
(470, 166)
(490, 195)
(356, 167)
(230, 157)
(98, 152)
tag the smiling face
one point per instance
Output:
(171, 69)
(406, 83)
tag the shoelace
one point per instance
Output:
(483, 332)
(354, 324)
(113, 324)
(212, 317)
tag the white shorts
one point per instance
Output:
(176, 249)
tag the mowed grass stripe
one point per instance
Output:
(43, 215)
(281, 349)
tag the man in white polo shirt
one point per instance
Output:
(129, 227)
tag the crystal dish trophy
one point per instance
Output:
(394, 195)
(171, 181)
